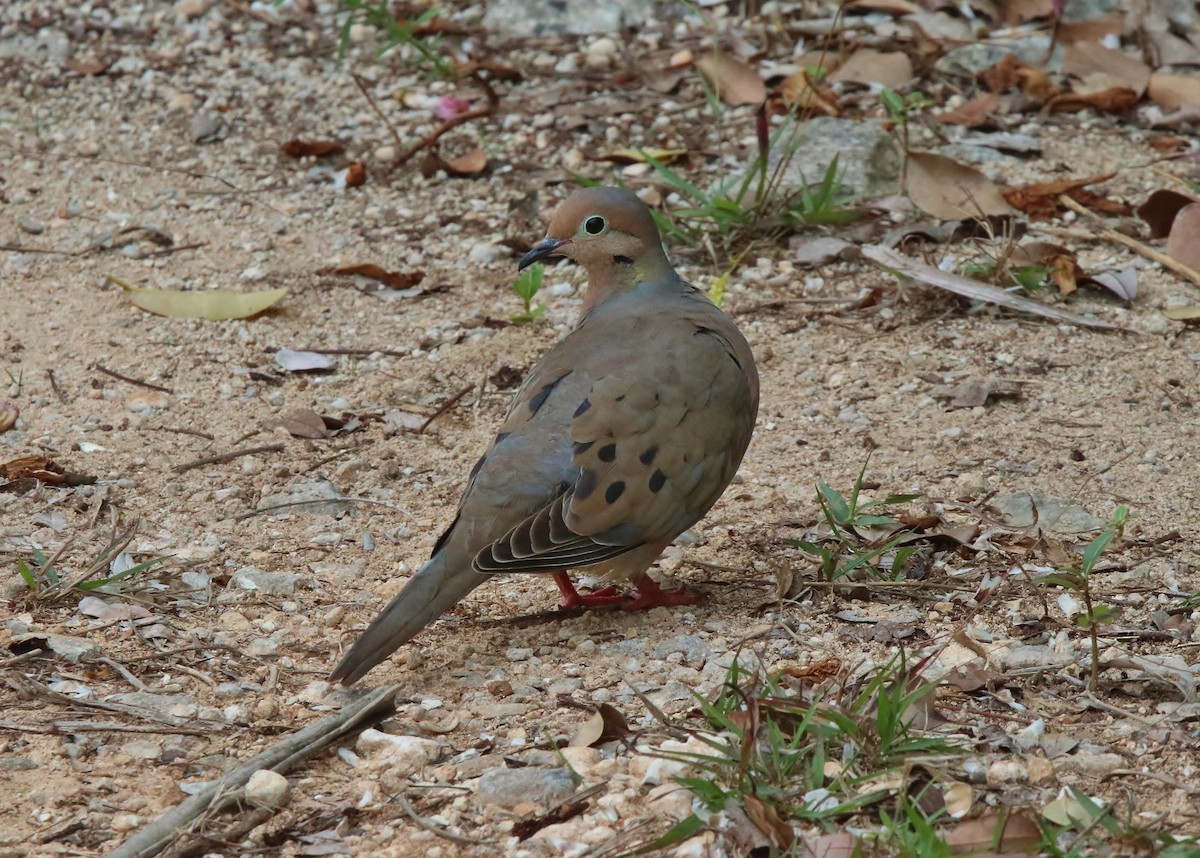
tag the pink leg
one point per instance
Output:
(607, 598)
(650, 595)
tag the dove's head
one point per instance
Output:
(610, 232)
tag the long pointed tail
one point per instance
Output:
(431, 591)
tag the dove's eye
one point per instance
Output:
(595, 225)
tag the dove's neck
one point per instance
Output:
(651, 271)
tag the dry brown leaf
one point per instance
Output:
(1040, 200)
(9, 412)
(1065, 272)
(1174, 91)
(391, 279)
(736, 82)
(1084, 60)
(312, 148)
(1183, 244)
(799, 91)
(839, 845)
(1169, 144)
(471, 164)
(1093, 29)
(356, 174)
(1160, 209)
(90, 67)
(975, 113)
(766, 818)
(1005, 833)
(889, 7)
(607, 724)
(1017, 12)
(949, 190)
(868, 66)
(1011, 73)
(1114, 99)
(303, 423)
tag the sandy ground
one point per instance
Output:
(1099, 419)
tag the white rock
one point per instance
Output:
(397, 756)
(267, 789)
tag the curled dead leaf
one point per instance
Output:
(9, 412)
(215, 305)
(949, 190)
(1183, 244)
(1085, 60)
(303, 423)
(1113, 99)
(1040, 200)
(471, 164)
(973, 114)
(735, 81)
(390, 279)
(607, 724)
(868, 66)
(800, 93)
(1174, 91)
(1160, 209)
(356, 174)
(312, 148)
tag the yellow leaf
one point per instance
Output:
(638, 156)
(215, 306)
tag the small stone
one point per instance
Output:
(234, 621)
(385, 154)
(205, 127)
(31, 225)
(395, 757)
(484, 253)
(263, 647)
(271, 583)
(694, 650)
(178, 705)
(192, 8)
(602, 47)
(142, 749)
(517, 653)
(267, 789)
(122, 822)
(510, 787)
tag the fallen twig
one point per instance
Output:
(54, 386)
(444, 407)
(228, 457)
(281, 757)
(1142, 249)
(114, 374)
(899, 264)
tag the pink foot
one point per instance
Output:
(609, 597)
(650, 595)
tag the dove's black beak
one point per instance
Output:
(545, 247)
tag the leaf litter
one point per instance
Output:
(833, 378)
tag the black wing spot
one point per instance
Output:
(539, 398)
(657, 480)
(648, 455)
(585, 485)
(607, 453)
(478, 467)
(622, 260)
(614, 491)
(501, 437)
(582, 447)
(583, 407)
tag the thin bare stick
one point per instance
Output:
(362, 87)
(281, 757)
(453, 122)
(1184, 271)
(444, 407)
(167, 251)
(182, 431)
(54, 386)
(229, 457)
(424, 824)
(125, 378)
(317, 501)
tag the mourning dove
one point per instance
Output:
(620, 439)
